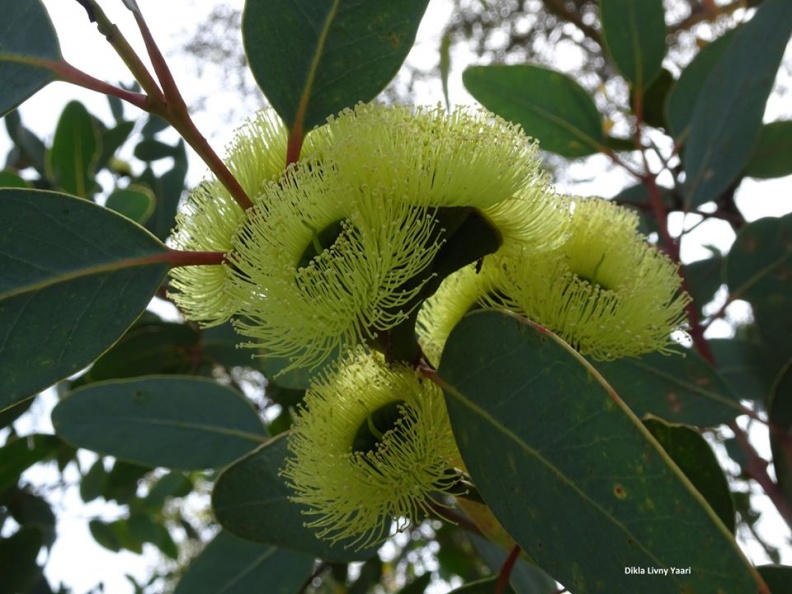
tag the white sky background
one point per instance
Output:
(76, 559)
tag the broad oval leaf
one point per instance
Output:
(679, 388)
(681, 100)
(695, 458)
(728, 113)
(71, 162)
(134, 202)
(565, 466)
(26, 36)
(772, 156)
(20, 454)
(313, 58)
(759, 263)
(175, 422)
(634, 32)
(549, 106)
(251, 499)
(230, 565)
(75, 277)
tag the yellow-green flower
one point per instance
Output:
(371, 445)
(605, 291)
(210, 217)
(321, 265)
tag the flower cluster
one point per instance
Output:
(397, 222)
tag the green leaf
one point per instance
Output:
(313, 58)
(535, 425)
(75, 277)
(93, 482)
(683, 97)
(31, 149)
(230, 565)
(168, 190)
(122, 481)
(26, 34)
(114, 536)
(112, 139)
(777, 577)
(728, 113)
(153, 150)
(250, 499)
(682, 389)
(759, 261)
(779, 413)
(12, 413)
(746, 365)
(33, 510)
(634, 32)
(18, 560)
(147, 348)
(9, 179)
(704, 278)
(175, 422)
(654, 100)
(134, 202)
(637, 198)
(772, 156)
(71, 162)
(22, 453)
(689, 450)
(549, 105)
(173, 484)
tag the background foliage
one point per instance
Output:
(672, 94)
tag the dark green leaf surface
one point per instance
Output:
(31, 510)
(9, 179)
(230, 565)
(777, 577)
(313, 58)
(746, 365)
(676, 388)
(122, 481)
(779, 411)
(25, 32)
(147, 348)
(67, 291)
(174, 422)
(18, 560)
(549, 106)
(634, 32)
(168, 190)
(682, 98)
(535, 427)
(728, 114)
(20, 454)
(250, 499)
(112, 140)
(153, 150)
(12, 413)
(704, 278)
(72, 159)
(29, 148)
(772, 156)
(759, 261)
(93, 482)
(689, 450)
(134, 202)
(654, 99)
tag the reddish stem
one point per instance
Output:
(184, 258)
(506, 569)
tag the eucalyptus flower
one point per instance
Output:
(605, 291)
(371, 444)
(320, 265)
(210, 217)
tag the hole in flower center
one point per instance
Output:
(388, 417)
(593, 279)
(321, 241)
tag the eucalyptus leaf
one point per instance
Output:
(75, 277)
(597, 495)
(26, 37)
(549, 105)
